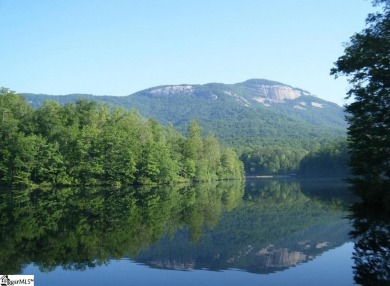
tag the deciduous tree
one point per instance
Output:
(366, 63)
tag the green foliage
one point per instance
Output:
(366, 63)
(272, 160)
(229, 167)
(328, 161)
(86, 143)
(16, 143)
(234, 115)
(231, 113)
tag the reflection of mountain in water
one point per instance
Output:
(212, 226)
(276, 226)
(272, 257)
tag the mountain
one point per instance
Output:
(256, 111)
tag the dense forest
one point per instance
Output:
(270, 134)
(87, 143)
(328, 160)
(271, 160)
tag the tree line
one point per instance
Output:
(330, 160)
(86, 143)
(327, 160)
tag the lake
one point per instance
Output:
(258, 232)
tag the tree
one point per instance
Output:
(191, 149)
(366, 63)
(15, 147)
(261, 160)
(85, 143)
(118, 146)
(328, 161)
(231, 166)
(209, 159)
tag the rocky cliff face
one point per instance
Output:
(263, 91)
(271, 91)
(277, 92)
(172, 89)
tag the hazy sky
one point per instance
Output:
(113, 47)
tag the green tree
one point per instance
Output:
(85, 143)
(231, 167)
(366, 63)
(191, 149)
(48, 120)
(155, 164)
(328, 161)
(272, 159)
(119, 146)
(209, 159)
(16, 147)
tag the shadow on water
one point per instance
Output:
(261, 227)
(371, 233)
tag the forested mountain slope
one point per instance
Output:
(244, 114)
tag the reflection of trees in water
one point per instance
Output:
(82, 228)
(274, 227)
(285, 226)
(371, 223)
(275, 192)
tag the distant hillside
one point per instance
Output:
(253, 112)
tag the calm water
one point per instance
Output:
(263, 232)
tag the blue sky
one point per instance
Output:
(118, 47)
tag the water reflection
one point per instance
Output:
(371, 233)
(274, 225)
(82, 228)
